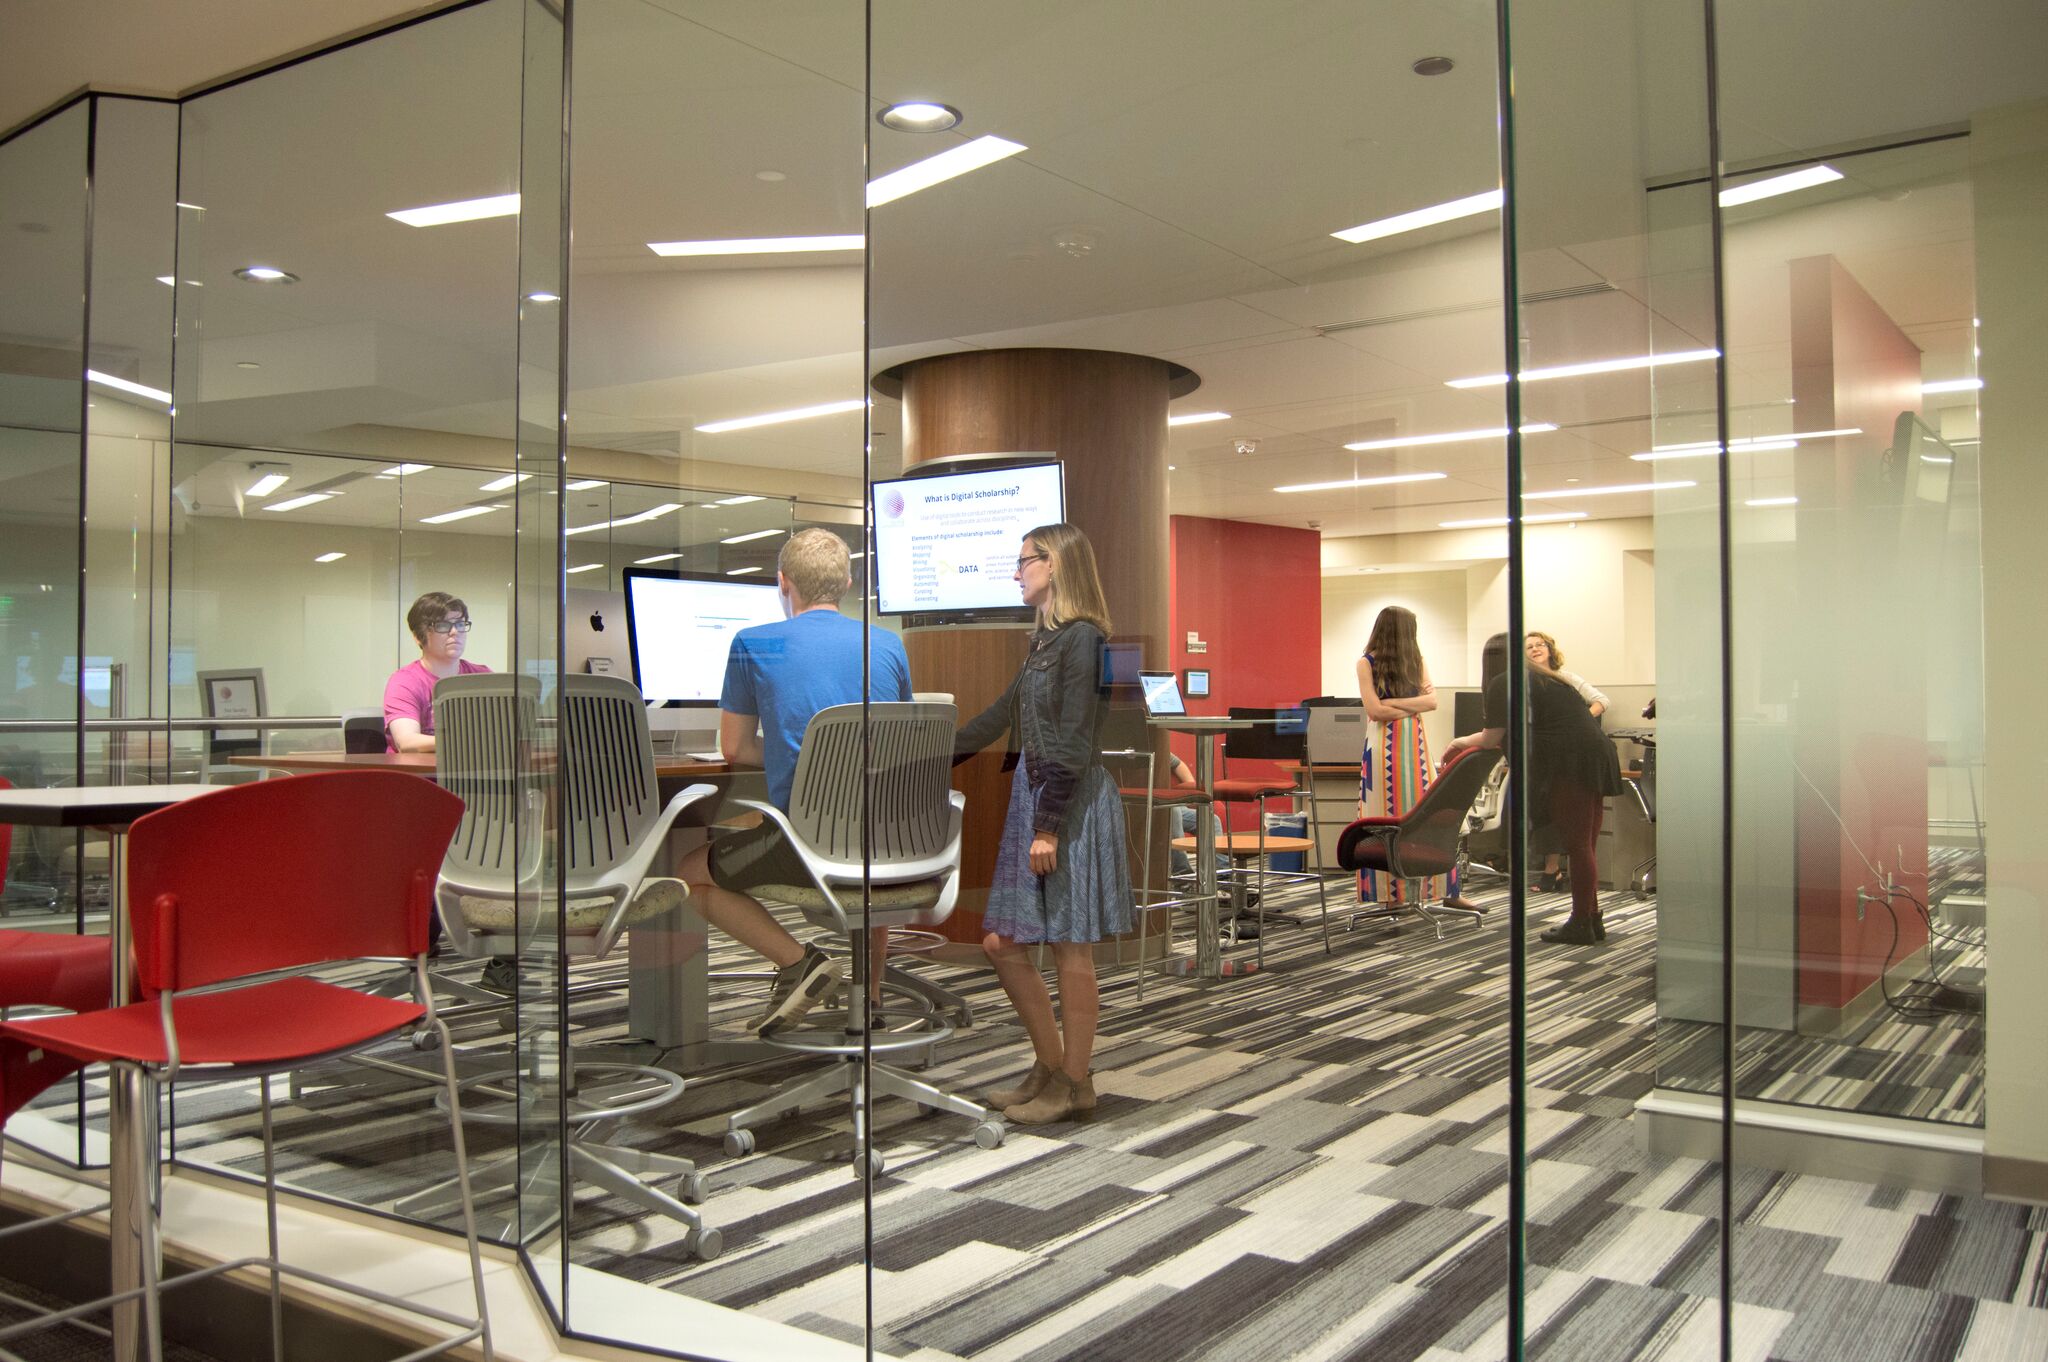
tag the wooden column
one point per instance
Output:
(1104, 415)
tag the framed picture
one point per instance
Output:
(234, 694)
(1195, 682)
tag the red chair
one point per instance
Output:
(225, 891)
(1422, 843)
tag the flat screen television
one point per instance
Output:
(679, 626)
(946, 543)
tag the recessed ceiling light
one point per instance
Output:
(1433, 66)
(585, 484)
(1779, 184)
(330, 558)
(399, 470)
(543, 297)
(778, 417)
(741, 572)
(294, 503)
(743, 538)
(1196, 418)
(1598, 366)
(657, 558)
(1495, 521)
(581, 567)
(266, 274)
(247, 364)
(267, 484)
(1772, 501)
(464, 513)
(1384, 481)
(1953, 385)
(510, 480)
(123, 385)
(937, 169)
(1449, 437)
(919, 115)
(189, 283)
(1476, 204)
(1613, 489)
(761, 245)
(735, 501)
(467, 210)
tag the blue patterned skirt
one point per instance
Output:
(1088, 895)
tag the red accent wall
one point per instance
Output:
(1255, 595)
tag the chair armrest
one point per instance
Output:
(1383, 829)
(781, 820)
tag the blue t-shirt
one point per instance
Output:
(787, 671)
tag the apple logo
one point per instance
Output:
(597, 621)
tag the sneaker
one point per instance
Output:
(798, 988)
(500, 976)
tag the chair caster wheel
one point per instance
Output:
(426, 1038)
(704, 1244)
(989, 1134)
(739, 1143)
(872, 1166)
(693, 1189)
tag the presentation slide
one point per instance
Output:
(950, 542)
(682, 630)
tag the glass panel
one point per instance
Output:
(1618, 334)
(53, 879)
(334, 428)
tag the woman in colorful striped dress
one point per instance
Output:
(1393, 681)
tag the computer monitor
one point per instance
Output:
(1195, 682)
(679, 626)
(594, 637)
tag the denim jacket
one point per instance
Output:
(1070, 733)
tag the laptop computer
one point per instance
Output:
(1162, 695)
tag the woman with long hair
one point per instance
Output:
(1572, 768)
(1544, 654)
(1061, 875)
(1393, 681)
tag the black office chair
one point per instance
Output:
(1643, 785)
(362, 730)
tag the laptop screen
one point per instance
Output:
(1162, 694)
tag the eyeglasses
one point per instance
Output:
(1030, 558)
(449, 627)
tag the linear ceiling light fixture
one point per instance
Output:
(1772, 501)
(1384, 481)
(463, 514)
(294, 503)
(509, 481)
(581, 567)
(1472, 206)
(982, 151)
(1598, 366)
(1947, 385)
(1449, 437)
(466, 210)
(775, 418)
(1496, 521)
(1612, 490)
(740, 572)
(657, 558)
(1707, 450)
(123, 385)
(735, 501)
(743, 538)
(330, 558)
(267, 484)
(1196, 418)
(652, 513)
(1779, 184)
(585, 484)
(760, 245)
(400, 470)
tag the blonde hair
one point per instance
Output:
(817, 565)
(1550, 646)
(1076, 587)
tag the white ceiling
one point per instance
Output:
(1187, 161)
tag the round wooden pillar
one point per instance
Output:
(1103, 414)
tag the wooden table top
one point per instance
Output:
(1246, 844)
(422, 764)
(92, 806)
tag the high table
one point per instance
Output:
(668, 985)
(1209, 962)
(131, 1102)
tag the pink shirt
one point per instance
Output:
(409, 694)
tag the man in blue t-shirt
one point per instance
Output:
(776, 677)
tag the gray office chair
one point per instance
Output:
(907, 875)
(610, 827)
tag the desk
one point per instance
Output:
(131, 1105)
(668, 984)
(1208, 963)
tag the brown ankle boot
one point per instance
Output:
(1034, 1082)
(1060, 1099)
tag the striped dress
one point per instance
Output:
(1388, 788)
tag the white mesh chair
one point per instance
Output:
(611, 826)
(907, 816)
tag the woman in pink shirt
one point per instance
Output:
(440, 624)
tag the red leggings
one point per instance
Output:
(1576, 813)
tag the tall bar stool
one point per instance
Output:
(1275, 735)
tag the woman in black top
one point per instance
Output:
(1061, 875)
(1572, 768)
